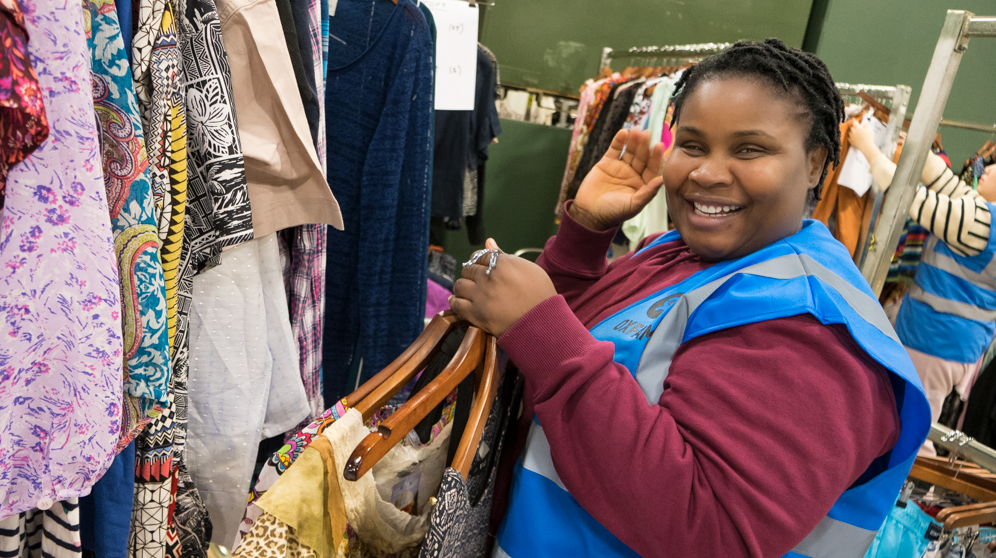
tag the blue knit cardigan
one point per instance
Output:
(378, 103)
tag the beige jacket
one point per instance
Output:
(287, 184)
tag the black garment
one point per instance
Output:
(610, 120)
(459, 524)
(450, 163)
(294, 22)
(475, 223)
(307, 81)
(485, 127)
(980, 417)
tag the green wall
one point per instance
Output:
(557, 44)
(524, 171)
(886, 42)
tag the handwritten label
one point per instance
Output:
(456, 53)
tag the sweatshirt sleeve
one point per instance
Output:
(947, 207)
(759, 430)
(576, 257)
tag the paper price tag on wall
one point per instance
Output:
(456, 53)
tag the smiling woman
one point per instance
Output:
(731, 388)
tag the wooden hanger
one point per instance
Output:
(376, 391)
(965, 516)
(477, 354)
(483, 398)
(966, 479)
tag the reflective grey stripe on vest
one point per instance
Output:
(499, 553)
(835, 539)
(536, 456)
(985, 280)
(656, 360)
(830, 539)
(947, 306)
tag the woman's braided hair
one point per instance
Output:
(796, 72)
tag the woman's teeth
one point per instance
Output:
(716, 210)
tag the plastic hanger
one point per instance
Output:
(477, 354)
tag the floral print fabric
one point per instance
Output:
(23, 123)
(129, 195)
(593, 97)
(61, 358)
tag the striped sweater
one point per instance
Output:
(946, 206)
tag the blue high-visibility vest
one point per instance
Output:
(806, 273)
(950, 311)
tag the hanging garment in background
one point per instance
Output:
(245, 382)
(279, 462)
(908, 253)
(840, 208)
(980, 415)
(640, 110)
(303, 248)
(459, 524)
(593, 98)
(661, 113)
(654, 217)
(127, 26)
(450, 155)
(295, 21)
(157, 72)
(484, 128)
(50, 533)
(611, 119)
(379, 153)
(22, 118)
(156, 67)
(291, 501)
(368, 521)
(153, 533)
(286, 183)
(59, 287)
(136, 233)
(218, 212)
(906, 534)
(105, 514)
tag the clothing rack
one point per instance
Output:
(682, 53)
(898, 97)
(987, 128)
(959, 27)
(959, 444)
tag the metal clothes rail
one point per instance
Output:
(683, 53)
(959, 27)
(959, 444)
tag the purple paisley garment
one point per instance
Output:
(60, 324)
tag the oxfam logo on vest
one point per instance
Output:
(639, 330)
(663, 305)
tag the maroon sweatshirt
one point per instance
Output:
(759, 430)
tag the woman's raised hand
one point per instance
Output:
(621, 184)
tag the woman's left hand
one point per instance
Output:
(495, 302)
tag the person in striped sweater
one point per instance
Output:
(948, 316)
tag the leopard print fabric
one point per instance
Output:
(272, 538)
